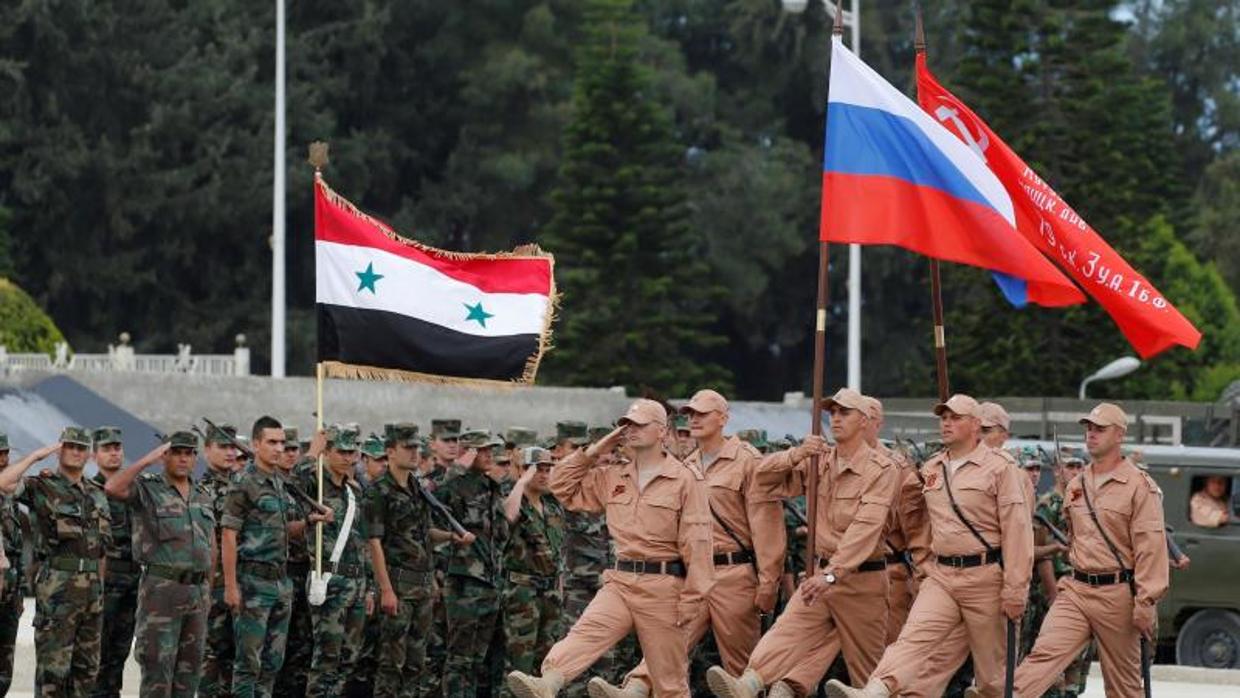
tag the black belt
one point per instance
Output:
(262, 570)
(298, 569)
(740, 557)
(867, 566)
(676, 568)
(896, 557)
(400, 574)
(1102, 580)
(116, 564)
(988, 558)
(179, 575)
(73, 564)
(538, 582)
(353, 570)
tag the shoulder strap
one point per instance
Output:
(1097, 524)
(346, 528)
(753, 559)
(947, 482)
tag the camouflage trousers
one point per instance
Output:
(68, 621)
(292, 680)
(430, 682)
(10, 617)
(338, 626)
(403, 636)
(260, 632)
(532, 622)
(473, 618)
(217, 661)
(120, 603)
(361, 682)
(172, 636)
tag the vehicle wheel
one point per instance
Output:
(1210, 638)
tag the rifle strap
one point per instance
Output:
(947, 483)
(1132, 584)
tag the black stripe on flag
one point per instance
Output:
(383, 339)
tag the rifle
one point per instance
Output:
(288, 485)
(1057, 534)
(796, 513)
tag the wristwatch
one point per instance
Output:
(829, 577)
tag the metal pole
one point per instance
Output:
(854, 255)
(277, 209)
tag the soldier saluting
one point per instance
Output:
(70, 515)
(1119, 566)
(175, 542)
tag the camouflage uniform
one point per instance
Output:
(257, 508)
(473, 582)
(217, 661)
(400, 519)
(174, 537)
(11, 597)
(360, 683)
(341, 618)
(294, 674)
(532, 599)
(436, 644)
(1050, 505)
(120, 589)
(71, 534)
(585, 556)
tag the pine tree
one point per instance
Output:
(636, 291)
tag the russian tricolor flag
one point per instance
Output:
(892, 175)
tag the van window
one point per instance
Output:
(1209, 504)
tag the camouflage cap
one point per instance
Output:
(290, 437)
(681, 420)
(373, 447)
(75, 435)
(755, 437)
(475, 438)
(597, 433)
(536, 456)
(103, 436)
(503, 456)
(405, 433)
(4, 441)
(342, 438)
(520, 436)
(446, 428)
(572, 431)
(183, 439)
(222, 434)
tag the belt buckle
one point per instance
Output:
(81, 564)
(639, 566)
(1093, 579)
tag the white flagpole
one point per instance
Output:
(854, 251)
(277, 209)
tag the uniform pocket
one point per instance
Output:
(660, 517)
(68, 521)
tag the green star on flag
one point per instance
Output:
(367, 278)
(477, 313)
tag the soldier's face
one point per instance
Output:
(994, 437)
(706, 425)
(269, 447)
(73, 456)
(958, 428)
(375, 467)
(639, 436)
(219, 456)
(292, 453)
(402, 455)
(847, 424)
(4, 459)
(110, 457)
(484, 460)
(445, 450)
(1102, 441)
(341, 462)
(179, 462)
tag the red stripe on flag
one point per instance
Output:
(336, 223)
(879, 210)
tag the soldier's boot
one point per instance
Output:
(874, 689)
(781, 689)
(525, 686)
(724, 685)
(599, 688)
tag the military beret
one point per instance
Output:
(106, 435)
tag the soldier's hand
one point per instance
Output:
(528, 474)
(46, 451)
(467, 458)
(232, 598)
(607, 443)
(318, 444)
(463, 539)
(327, 516)
(1143, 616)
(388, 602)
(1180, 563)
(813, 588)
(813, 445)
(1014, 609)
(765, 600)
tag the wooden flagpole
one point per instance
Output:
(318, 158)
(936, 283)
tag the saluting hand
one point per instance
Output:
(607, 443)
(46, 451)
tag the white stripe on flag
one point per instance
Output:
(854, 82)
(418, 291)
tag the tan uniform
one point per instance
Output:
(1208, 511)
(854, 503)
(669, 520)
(754, 512)
(988, 490)
(950, 653)
(1129, 506)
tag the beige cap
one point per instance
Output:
(960, 404)
(706, 401)
(643, 412)
(849, 399)
(873, 407)
(992, 414)
(1106, 415)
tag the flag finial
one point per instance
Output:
(838, 29)
(919, 34)
(318, 155)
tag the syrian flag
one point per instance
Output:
(391, 308)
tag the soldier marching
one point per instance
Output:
(548, 557)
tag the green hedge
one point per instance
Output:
(24, 327)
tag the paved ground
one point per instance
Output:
(1169, 681)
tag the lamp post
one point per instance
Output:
(852, 20)
(1116, 369)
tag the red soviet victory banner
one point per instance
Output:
(1147, 319)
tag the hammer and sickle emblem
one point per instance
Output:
(945, 113)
